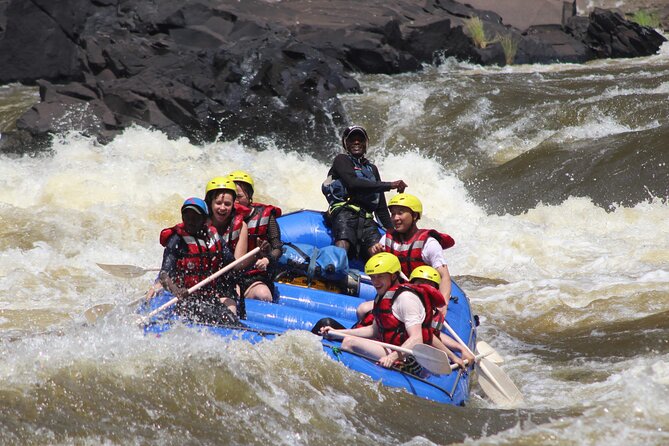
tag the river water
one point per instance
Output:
(553, 180)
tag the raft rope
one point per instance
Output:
(336, 351)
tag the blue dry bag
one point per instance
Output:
(329, 262)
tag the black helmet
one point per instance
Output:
(352, 129)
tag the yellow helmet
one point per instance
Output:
(383, 262)
(221, 183)
(241, 176)
(426, 272)
(407, 200)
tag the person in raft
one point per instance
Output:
(193, 252)
(258, 282)
(403, 313)
(354, 191)
(426, 275)
(414, 247)
(228, 219)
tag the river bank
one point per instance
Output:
(254, 70)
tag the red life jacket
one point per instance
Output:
(437, 300)
(258, 222)
(231, 234)
(410, 252)
(204, 255)
(391, 329)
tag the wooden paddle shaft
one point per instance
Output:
(457, 338)
(199, 285)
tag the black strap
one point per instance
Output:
(326, 321)
(304, 255)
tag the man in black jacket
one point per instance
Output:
(354, 191)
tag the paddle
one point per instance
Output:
(197, 286)
(486, 350)
(494, 382)
(128, 271)
(434, 360)
(497, 384)
(92, 314)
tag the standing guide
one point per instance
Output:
(354, 191)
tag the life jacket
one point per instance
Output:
(203, 258)
(231, 234)
(410, 252)
(335, 191)
(391, 329)
(258, 222)
(437, 300)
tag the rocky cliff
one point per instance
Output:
(254, 69)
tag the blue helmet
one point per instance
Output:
(197, 204)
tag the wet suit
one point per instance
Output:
(353, 220)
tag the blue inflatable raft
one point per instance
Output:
(300, 306)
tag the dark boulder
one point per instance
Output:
(550, 44)
(253, 70)
(40, 41)
(608, 35)
(3, 16)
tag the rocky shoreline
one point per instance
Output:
(255, 69)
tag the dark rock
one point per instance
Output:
(3, 16)
(659, 8)
(253, 70)
(37, 45)
(67, 107)
(20, 142)
(609, 35)
(549, 43)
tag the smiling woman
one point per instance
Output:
(228, 219)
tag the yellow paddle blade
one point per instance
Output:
(497, 385)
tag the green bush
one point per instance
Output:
(509, 46)
(475, 29)
(645, 18)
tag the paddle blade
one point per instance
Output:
(128, 271)
(484, 349)
(432, 359)
(497, 385)
(93, 313)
